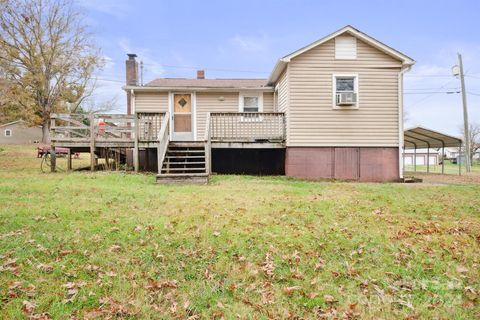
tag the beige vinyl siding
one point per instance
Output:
(268, 102)
(311, 119)
(210, 102)
(151, 101)
(283, 92)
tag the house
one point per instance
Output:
(18, 132)
(330, 110)
(421, 156)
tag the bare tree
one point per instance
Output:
(47, 57)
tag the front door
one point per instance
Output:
(182, 117)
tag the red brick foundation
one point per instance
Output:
(360, 163)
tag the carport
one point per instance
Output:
(423, 138)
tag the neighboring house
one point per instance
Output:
(452, 153)
(434, 156)
(18, 132)
(332, 109)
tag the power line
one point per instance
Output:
(197, 68)
(431, 94)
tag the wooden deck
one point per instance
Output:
(94, 132)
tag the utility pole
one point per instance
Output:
(465, 115)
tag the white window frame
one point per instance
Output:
(355, 90)
(9, 131)
(241, 104)
(243, 95)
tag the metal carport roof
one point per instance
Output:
(420, 137)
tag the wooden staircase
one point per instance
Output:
(185, 162)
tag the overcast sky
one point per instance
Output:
(243, 39)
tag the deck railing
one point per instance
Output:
(164, 138)
(247, 126)
(106, 128)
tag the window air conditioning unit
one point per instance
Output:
(346, 99)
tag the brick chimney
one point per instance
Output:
(200, 74)
(131, 71)
(131, 67)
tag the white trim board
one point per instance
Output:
(334, 90)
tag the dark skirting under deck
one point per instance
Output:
(249, 161)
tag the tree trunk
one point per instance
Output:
(46, 131)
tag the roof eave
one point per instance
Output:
(277, 71)
(195, 88)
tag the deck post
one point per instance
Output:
(135, 147)
(69, 159)
(92, 142)
(53, 159)
(107, 163)
(208, 145)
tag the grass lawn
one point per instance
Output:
(115, 245)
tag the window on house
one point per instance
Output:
(345, 91)
(250, 104)
(8, 132)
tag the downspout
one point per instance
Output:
(132, 101)
(400, 120)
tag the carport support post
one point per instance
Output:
(428, 157)
(403, 159)
(415, 159)
(460, 159)
(443, 157)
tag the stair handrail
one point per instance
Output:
(163, 140)
(208, 144)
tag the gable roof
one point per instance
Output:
(169, 83)
(282, 62)
(421, 137)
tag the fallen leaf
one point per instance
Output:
(329, 298)
(28, 307)
(291, 290)
(115, 248)
(462, 269)
(45, 268)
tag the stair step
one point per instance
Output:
(183, 157)
(182, 169)
(187, 144)
(185, 151)
(184, 163)
(179, 178)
